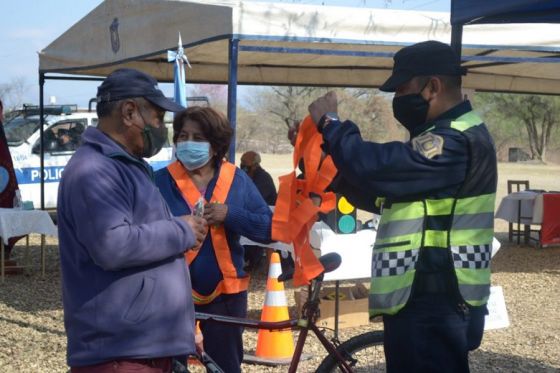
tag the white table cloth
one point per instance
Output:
(354, 249)
(14, 223)
(529, 203)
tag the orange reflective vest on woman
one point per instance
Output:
(231, 283)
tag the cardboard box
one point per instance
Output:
(352, 306)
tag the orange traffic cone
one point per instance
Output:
(277, 346)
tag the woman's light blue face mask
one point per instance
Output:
(193, 154)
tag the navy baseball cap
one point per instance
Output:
(130, 83)
(422, 59)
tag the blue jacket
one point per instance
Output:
(248, 215)
(395, 170)
(125, 286)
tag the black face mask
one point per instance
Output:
(153, 137)
(411, 110)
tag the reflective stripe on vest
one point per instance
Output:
(472, 234)
(395, 253)
(403, 232)
(230, 284)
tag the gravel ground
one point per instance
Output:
(32, 337)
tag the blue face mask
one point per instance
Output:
(193, 154)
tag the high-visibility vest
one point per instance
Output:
(294, 212)
(231, 283)
(406, 228)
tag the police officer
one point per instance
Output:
(431, 258)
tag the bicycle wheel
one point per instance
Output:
(364, 353)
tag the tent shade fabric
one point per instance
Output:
(511, 11)
(295, 44)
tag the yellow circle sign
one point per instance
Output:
(344, 206)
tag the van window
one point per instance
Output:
(20, 129)
(63, 137)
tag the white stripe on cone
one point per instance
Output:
(275, 270)
(275, 298)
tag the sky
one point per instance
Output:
(28, 26)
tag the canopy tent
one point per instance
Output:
(529, 12)
(244, 42)
(511, 11)
(293, 44)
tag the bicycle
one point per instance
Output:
(362, 353)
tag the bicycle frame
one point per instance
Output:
(304, 325)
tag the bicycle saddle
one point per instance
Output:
(330, 262)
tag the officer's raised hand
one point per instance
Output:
(323, 105)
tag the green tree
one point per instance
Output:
(538, 114)
(290, 103)
(264, 121)
(372, 112)
(215, 93)
(12, 93)
(272, 111)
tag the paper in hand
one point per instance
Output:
(198, 209)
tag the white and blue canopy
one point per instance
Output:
(295, 44)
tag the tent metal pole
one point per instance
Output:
(456, 32)
(41, 140)
(87, 79)
(457, 38)
(232, 92)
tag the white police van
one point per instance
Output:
(63, 128)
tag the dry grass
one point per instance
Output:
(32, 337)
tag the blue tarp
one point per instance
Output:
(504, 11)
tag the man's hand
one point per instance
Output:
(199, 342)
(215, 213)
(199, 227)
(324, 104)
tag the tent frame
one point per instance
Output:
(231, 105)
(235, 48)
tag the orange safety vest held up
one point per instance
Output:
(230, 284)
(295, 213)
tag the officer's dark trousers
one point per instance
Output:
(224, 343)
(431, 335)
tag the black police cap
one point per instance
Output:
(421, 59)
(130, 83)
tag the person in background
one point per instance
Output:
(293, 131)
(64, 140)
(251, 164)
(232, 206)
(436, 192)
(126, 290)
(8, 184)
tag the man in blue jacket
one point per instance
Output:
(431, 258)
(126, 287)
